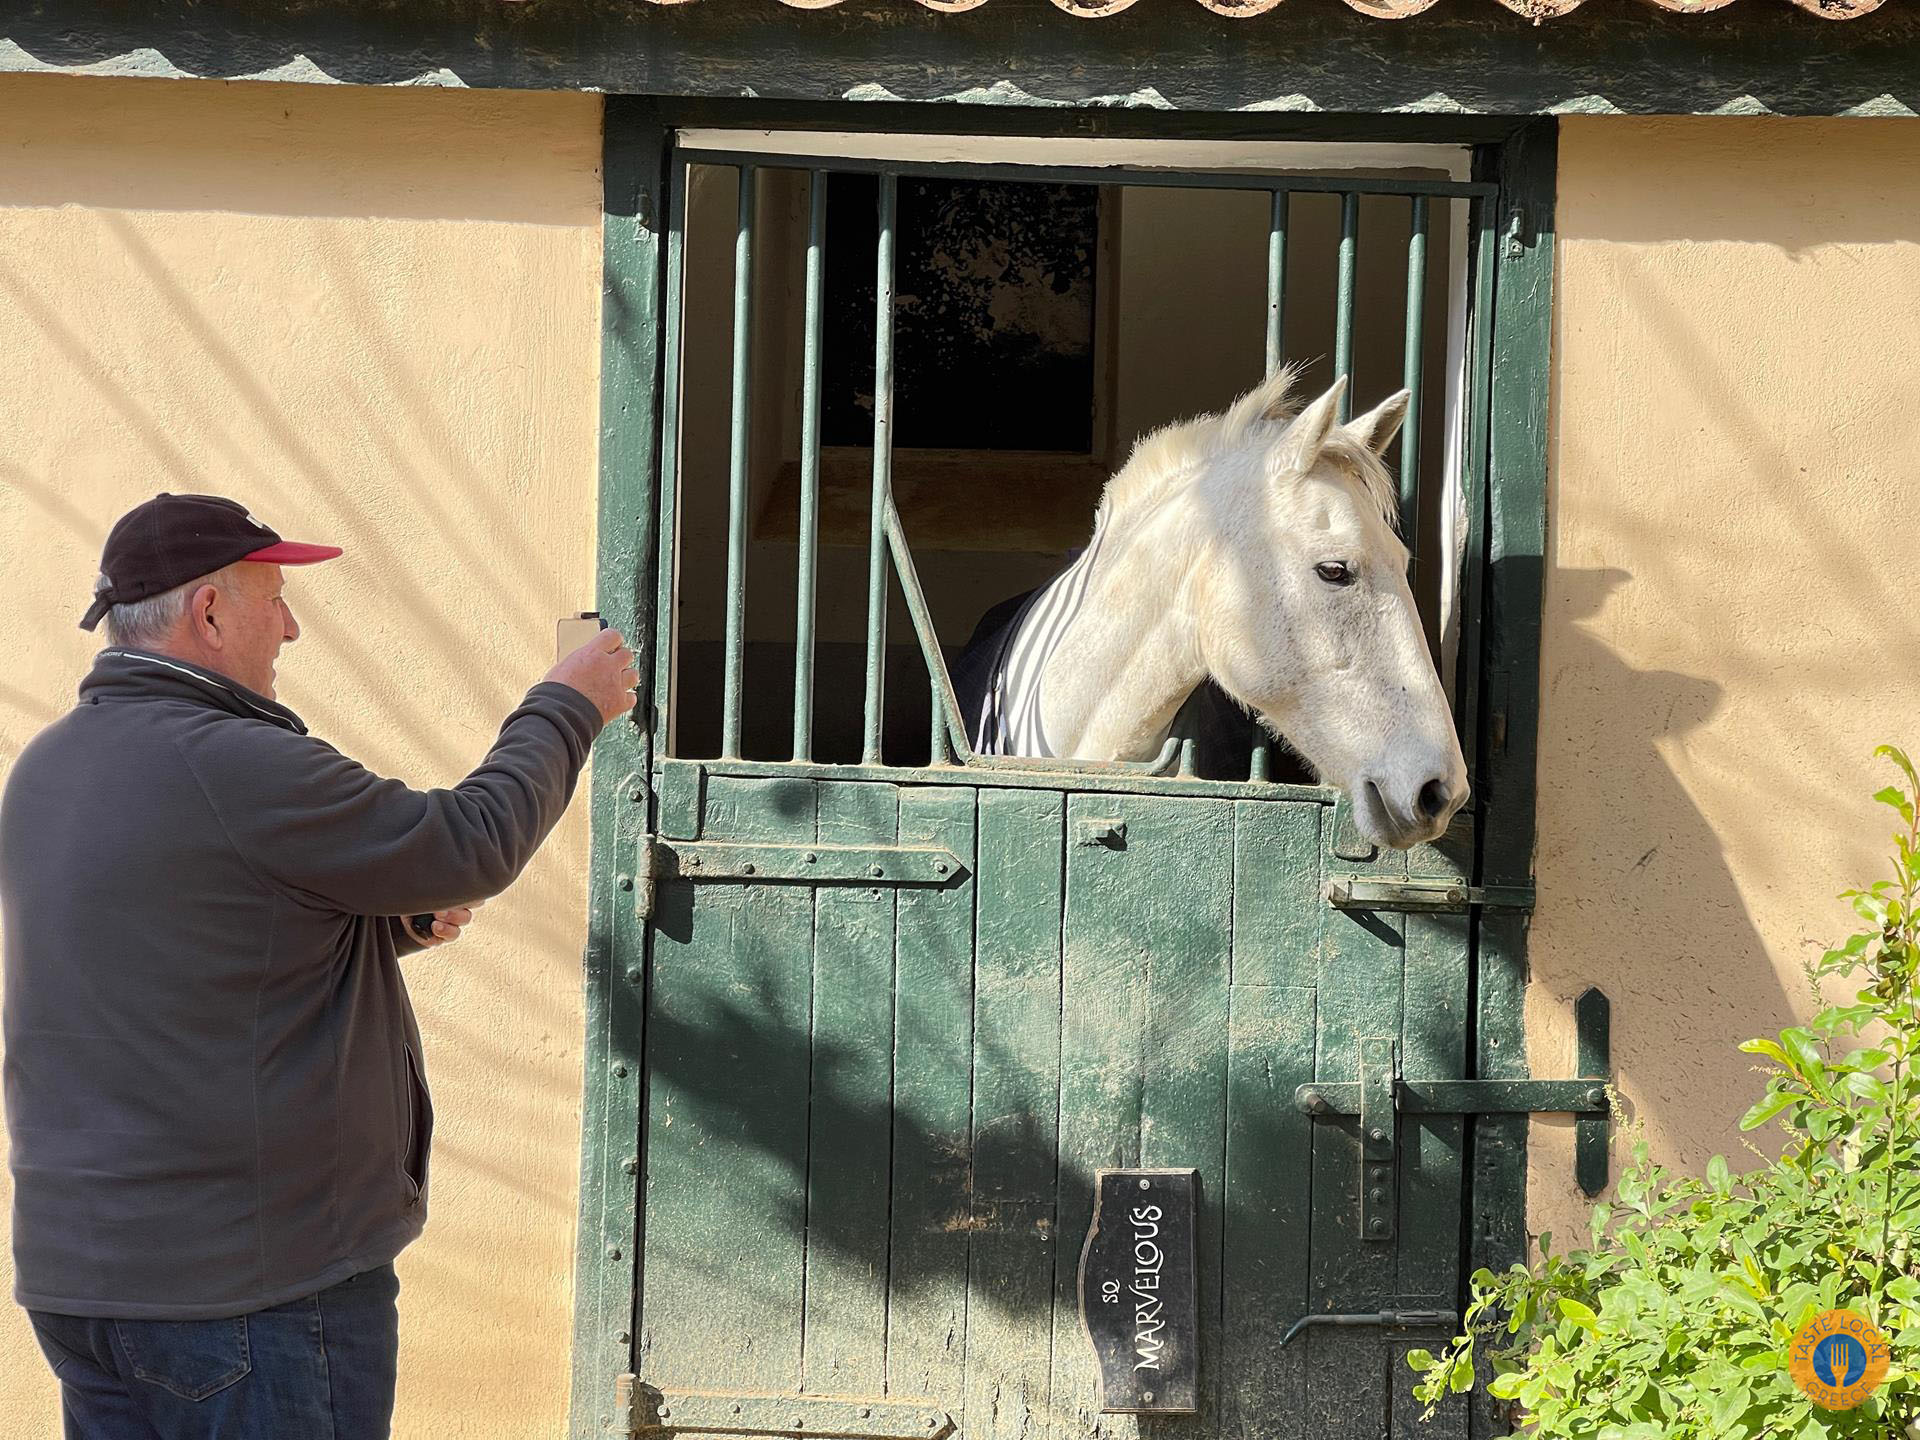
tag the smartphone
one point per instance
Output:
(574, 631)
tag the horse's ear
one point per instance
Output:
(1378, 426)
(1307, 436)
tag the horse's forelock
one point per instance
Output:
(1175, 453)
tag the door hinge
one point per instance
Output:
(646, 1410)
(1423, 895)
(1382, 1094)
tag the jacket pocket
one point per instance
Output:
(190, 1358)
(417, 1149)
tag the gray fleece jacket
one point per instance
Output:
(213, 1078)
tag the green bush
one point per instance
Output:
(1675, 1323)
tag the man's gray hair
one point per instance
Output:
(143, 624)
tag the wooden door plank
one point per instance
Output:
(932, 1111)
(850, 1103)
(1268, 1225)
(1277, 924)
(1347, 1392)
(1277, 930)
(1433, 1046)
(727, 1112)
(1016, 1069)
(1146, 957)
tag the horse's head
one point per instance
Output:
(1305, 615)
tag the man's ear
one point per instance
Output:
(200, 606)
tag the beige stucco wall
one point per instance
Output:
(1729, 596)
(374, 315)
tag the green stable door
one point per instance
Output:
(869, 1039)
(876, 1103)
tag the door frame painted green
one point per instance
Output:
(1508, 526)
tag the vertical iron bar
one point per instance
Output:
(666, 604)
(939, 751)
(1277, 282)
(1262, 767)
(1477, 459)
(809, 540)
(1343, 324)
(882, 466)
(1410, 378)
(738, 475)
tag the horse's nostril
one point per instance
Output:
(1434, 798)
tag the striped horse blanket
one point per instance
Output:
(998, 682)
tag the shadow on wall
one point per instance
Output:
(1641, 866)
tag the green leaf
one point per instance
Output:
(1899, 757)
(1718, 1176)
(1767, 1047)
(1506, 1387)
(1892, 796)
(1804, 1050)
(1766, 1109)
(1581, 1315)
(1868, 1087)
(1421, 1361)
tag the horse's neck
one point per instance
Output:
(1119, 675)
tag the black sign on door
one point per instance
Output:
(1137, 1295)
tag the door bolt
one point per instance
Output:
(1376, 1135)
(626, 882)
(875, 871)
(747, 869)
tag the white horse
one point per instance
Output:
(1255, 547)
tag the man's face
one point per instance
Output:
(254, 623)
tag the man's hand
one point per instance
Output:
(447, 925)
(602, 670)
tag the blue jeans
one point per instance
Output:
(321, 1368)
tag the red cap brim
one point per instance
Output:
(292, 552)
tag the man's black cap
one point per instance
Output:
(172, 539)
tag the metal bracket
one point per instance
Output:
(1381, 1096)
(811, 864)
(1424, 896)
(648, 1411)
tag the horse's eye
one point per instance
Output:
(1333, 572)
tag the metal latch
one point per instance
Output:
(645, 1410)
(1382, 1095)
(1423, 895)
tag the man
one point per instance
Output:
(218, 1115)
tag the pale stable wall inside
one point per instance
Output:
(1729, 595)
(374, 317)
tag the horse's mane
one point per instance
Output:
(1166, 460)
